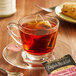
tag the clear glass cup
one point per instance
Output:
(37, 36)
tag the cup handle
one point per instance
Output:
(12, 34)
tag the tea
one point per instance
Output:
(36, 39)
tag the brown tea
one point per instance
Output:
(35, 37)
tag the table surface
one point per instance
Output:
(67, 31)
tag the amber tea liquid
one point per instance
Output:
(38, 43)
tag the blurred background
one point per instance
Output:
(67, 30)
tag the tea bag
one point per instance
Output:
(42, 24)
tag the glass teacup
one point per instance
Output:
(37, 34)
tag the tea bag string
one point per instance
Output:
(40, 17)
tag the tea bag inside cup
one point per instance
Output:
(39, 23)
(42, 24)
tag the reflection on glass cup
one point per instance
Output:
(38, 35)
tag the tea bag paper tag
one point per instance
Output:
(53, 65)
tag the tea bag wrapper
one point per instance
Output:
(61, 67)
